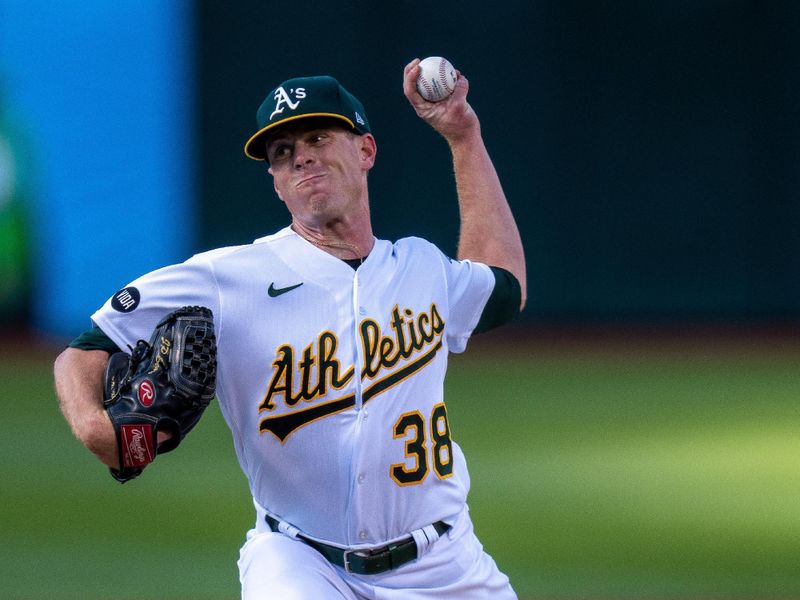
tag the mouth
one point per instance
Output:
(310, 179)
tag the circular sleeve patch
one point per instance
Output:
(125, 300)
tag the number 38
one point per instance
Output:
(411, 425)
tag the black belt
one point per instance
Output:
(370, 561)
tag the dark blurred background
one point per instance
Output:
(649, 150)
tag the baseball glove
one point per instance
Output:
(163, 385)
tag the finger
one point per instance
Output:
(163, 436)
(410, 66)
(411, 72)
(410, 82)
(462, 86)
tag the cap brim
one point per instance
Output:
(256, 149)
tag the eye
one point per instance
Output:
(279, 151)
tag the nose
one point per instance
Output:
(303, 156)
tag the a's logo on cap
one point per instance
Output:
(282, 98)
(359, 119)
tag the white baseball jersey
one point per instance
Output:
(330, 378)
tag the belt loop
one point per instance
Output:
(287, 529)
(281, 526)
(424, 538)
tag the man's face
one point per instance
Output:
(319, 170)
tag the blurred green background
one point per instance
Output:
(648, 465)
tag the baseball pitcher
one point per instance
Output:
(326, 349)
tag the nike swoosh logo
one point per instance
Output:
(275, 292)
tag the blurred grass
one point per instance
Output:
(67, 530)
(644, 470)
(637, 471)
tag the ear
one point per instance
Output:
(275, 185)
(367, 149)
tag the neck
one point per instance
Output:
(337, 244)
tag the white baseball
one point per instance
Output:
(437, 78)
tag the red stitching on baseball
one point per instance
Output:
(443, 75)
(427, 87)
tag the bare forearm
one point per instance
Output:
(79, 386)
(489, 233)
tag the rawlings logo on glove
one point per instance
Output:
(136, 448)
(164, 385)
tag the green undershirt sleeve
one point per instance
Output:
(94, 339)
(503, 305)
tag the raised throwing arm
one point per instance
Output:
(488, 231)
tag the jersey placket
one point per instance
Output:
(355, 530)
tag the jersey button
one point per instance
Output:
(361, 478)
(362, 534)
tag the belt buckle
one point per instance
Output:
(346, 559)
(375, 561)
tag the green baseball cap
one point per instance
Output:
(304, 97)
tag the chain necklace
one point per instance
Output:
(338, 244)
